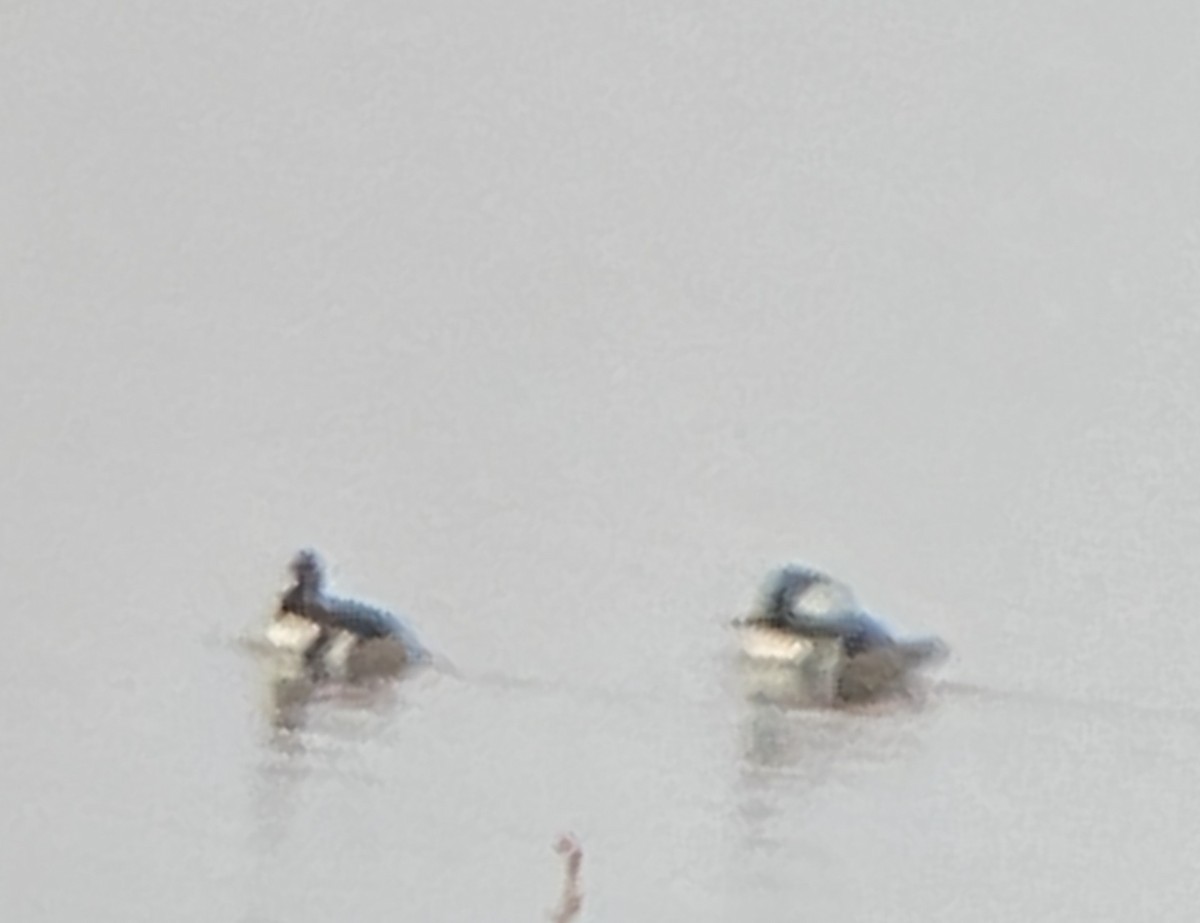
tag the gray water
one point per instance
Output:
(556, 326)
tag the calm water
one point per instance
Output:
(555, 328)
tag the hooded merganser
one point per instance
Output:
(330, 631)
(809, 619)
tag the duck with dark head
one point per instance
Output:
(335, 634)
(808, 619)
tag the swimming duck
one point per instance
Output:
(810, 620)
(333, 633)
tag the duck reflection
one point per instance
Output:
(793, 763)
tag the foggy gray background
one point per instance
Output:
(556, 326)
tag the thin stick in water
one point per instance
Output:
(571, 901)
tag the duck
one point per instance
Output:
(334, 634)
(809, 620)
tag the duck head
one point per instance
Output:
(307, 570)
(802, 589)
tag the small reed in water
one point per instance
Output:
(571, 901)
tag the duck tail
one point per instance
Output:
(919, 652)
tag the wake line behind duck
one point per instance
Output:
(813, 626)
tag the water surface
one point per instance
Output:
(556, 328)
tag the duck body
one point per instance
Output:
(813, 627)
(335, 634)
